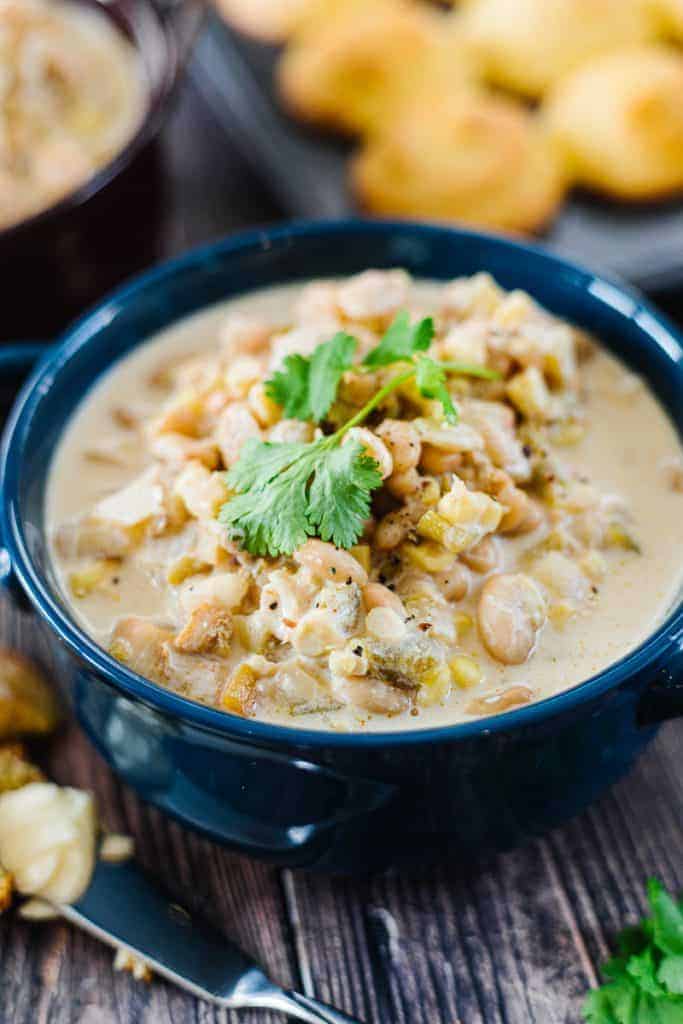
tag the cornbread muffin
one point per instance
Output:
(619, 123)
(670, 13)
(471, 158)
(351, 72)
(528, 45)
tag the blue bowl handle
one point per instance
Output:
(15, 363)
(663, 700)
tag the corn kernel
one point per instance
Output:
(568, 432)
(428, 556)
(461, 519)
(513, 310)
(251, 632)
(617, 536)
(463, 623)
(465, 671)
(433, 526)
(594, 564)
(436, 686)
(238, 693)
(186, 566)
(560, 613)
(263, 408)
(528, 392)
(361, 552)
(462, 506)
(559, 362)
(93, 577)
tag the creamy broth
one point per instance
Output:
(626, 447)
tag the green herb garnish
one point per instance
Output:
(401, 341)
(289, 492)
(646, 978)
(306, 387)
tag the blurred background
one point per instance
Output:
(134, 129)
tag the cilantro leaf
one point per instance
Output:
(260, 462)
(401, 341)
(289, 492)
(339, 500)
(615, 1003)
(290, 387)
(643, 969)
(306, 386)
(328, 362)
(646, 985)
(667, 919)
(430, 378)
(269, 517)
(671, 974)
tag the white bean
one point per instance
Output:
(235, 427)
(403, 441)
(510, 614)
(376, 595)
(330, 563)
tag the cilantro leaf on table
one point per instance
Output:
(430, 378)
(401, 341)
(289, 492)
(667, 919)
(306, 386)
(646, 979)
(670, 974)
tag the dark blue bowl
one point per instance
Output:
(346, 802)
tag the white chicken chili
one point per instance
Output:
(369, 504)
(72, 94)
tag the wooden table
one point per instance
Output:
(516, 941)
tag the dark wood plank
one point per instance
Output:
(517, 941)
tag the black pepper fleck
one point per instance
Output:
(349, 581)
(273, 606)
(358, 651)
(527, 449)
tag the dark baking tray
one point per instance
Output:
(306, 172)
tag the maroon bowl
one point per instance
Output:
(66, 256)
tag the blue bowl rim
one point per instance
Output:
(665, 638)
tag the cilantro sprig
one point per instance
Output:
(287, 492)
(306, 386)
(645, 983)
